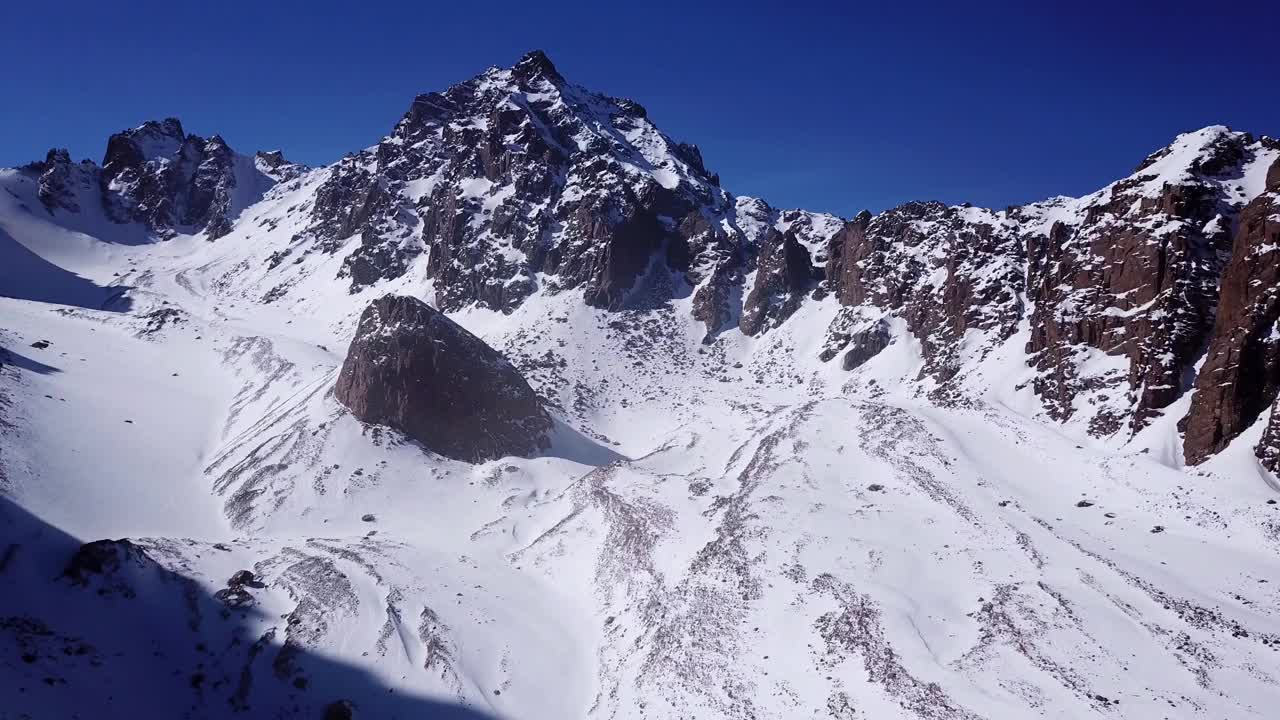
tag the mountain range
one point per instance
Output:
(519, 413)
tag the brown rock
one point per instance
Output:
(1241, 372)
(835, 269)
(945, 270)
(1273, 176)
(413, 369)
(1137, 278)
(784, 273)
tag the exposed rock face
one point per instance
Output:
(113, 566)
(1268, 448)
(351, 199)
(834, 271)
(236, 594)
(355, 200)
(411, 368)
(787, 248)
(945, 270)
(136, 178)
(158, 175)
(717, 274)
(866, 344)
(517, 181)
(209, 198)
(1134, 273)
(784, 273)
(273, 164)
(517, 175)
(1122, 283)
(1241, 372)
(58, 180)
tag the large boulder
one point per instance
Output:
(415, 370)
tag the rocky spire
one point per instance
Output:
(534, 64)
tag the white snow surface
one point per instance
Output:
(735, 530)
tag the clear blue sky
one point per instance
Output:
(814, 105)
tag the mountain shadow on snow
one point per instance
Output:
(105, 625)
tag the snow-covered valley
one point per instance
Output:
(722, 523)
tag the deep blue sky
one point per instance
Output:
(814, 105)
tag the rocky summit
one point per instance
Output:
(413, 369)
(520, 412)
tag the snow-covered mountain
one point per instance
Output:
(622, 444)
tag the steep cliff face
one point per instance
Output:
(1118, 288)
(783, 253)
(60, 181)
(784, 273)
(158, 175)
(1132, 271)
(1241, 372)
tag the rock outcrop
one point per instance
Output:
(515, 174)
(58, 181)
(947, 271)
(413, 369)
(158, 175)
(1133, 273)
(1268, 448)
(517, 179)
(784, 273)
(1240, 376)
(1121, 285)
(112, 567)
(786, 249)
(866, 344)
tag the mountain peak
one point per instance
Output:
(1190, 149)
(536, 63)
(168, 127)
(150, 140)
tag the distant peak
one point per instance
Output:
(536, 63)
(171, 127)
(272, 157)
(151, 139)
(1211, 150)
